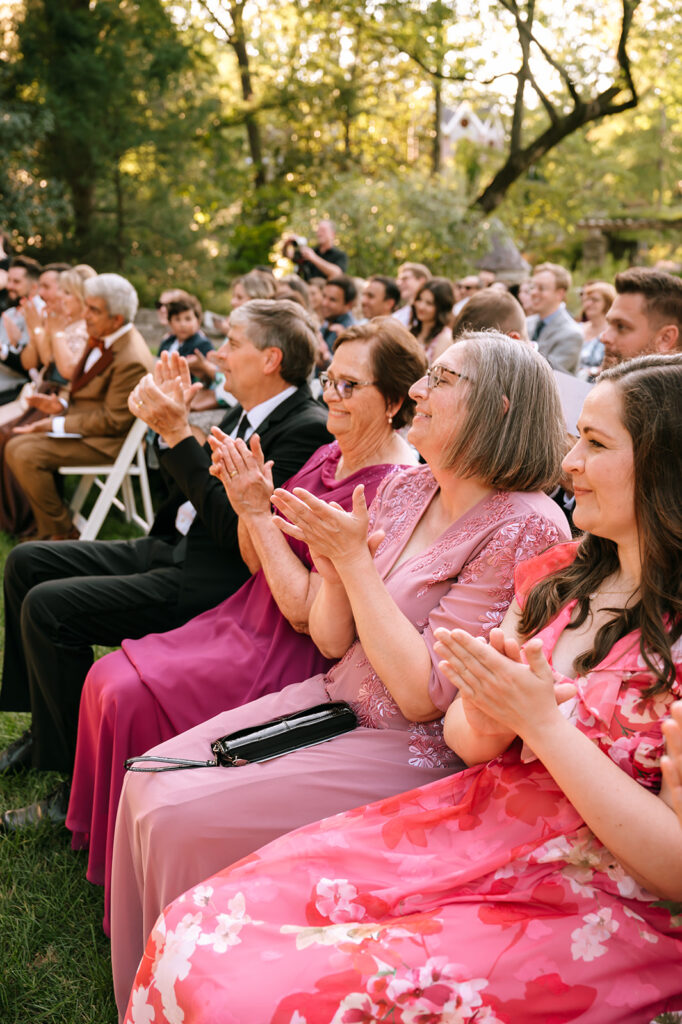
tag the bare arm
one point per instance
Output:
(639, 828)
(246, 548)
(66, 353)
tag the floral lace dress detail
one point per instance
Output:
(465, 578)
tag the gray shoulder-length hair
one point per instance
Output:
(512, 445)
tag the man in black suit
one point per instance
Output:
(61, 598)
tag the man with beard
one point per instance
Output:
(646, 316)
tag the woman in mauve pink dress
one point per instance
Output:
(449, 534)
(254, 642)
(542, 884)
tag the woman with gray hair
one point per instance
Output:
(438, 546)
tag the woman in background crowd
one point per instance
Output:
(56, 346)
(432, 316)
(597, 299)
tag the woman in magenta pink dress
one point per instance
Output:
(254, 642)
(449, 535)
(544, 882)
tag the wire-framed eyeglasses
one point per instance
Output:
(437, 374)
(344, 388)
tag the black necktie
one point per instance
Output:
(538, 330)
(243, 426)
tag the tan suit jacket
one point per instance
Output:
(99, 410)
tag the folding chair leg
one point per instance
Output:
(144, 489)
(128, 499)
(80, 494)
(100, 509)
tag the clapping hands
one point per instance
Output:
(162, 399)
(500, 693)
(243, 472)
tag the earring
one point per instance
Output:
(390, 420)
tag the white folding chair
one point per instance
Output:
(110, 479)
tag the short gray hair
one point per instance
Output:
(514, 448)
(119, 294)
(282, 324)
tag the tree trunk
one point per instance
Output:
(519, 162)
(120, 216)
(437, 116)
(238, 42)
(83, 195)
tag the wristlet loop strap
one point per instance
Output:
(171, 764)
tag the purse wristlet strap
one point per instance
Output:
(169, 764)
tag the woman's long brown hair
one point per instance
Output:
(651, 392)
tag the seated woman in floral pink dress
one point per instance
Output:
(447, 537)
(542, 884)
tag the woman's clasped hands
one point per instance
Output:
(243, 472)
(505, 690)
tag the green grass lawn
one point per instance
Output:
(54, 957)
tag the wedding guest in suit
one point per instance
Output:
(558, 336)
(60, 599)
(96, 417)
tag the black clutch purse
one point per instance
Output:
(262, 742)
(290, 732)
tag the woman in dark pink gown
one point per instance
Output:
(166, 683)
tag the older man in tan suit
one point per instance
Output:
(96, 418)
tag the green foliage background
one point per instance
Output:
(127, 131)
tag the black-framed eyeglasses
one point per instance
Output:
(344, 388)
(436, 375)
(159, 304)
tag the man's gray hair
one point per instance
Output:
(119, 294)
(282, 324)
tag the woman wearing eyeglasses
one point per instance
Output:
(257, 640)
(438, 547)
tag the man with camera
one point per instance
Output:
(325, 260)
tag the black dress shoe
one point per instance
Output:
(18, 754)
(53, 808)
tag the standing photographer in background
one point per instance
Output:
(324, 260)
